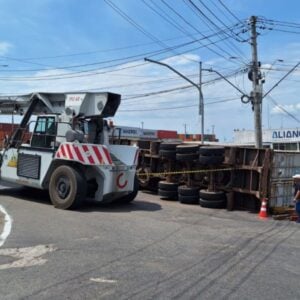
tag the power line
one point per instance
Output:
(213, 14)
(176, 107)
(204, 17)
(280, 23)
(283, 109)
(279, 30)
(167, 18)
(229, 11)
(97, 70)
(179, 88)
(220, 10)
(137, 26)
(192, 26)
(171, 20)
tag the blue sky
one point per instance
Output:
(70, 45)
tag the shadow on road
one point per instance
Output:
(136, 205)
(42, 197)
(27, 194)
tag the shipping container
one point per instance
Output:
(166, 134)
(284, 166)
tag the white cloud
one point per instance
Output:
(5, 47)
(148, 78)
(280, 109)
(182, 59)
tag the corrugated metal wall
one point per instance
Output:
(285, 165)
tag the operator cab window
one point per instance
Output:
(44, 133)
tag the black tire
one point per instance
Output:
(206, 195)
(168, 186)
(185, 149)
(170, 195)
(210, 160)
(168, 146)
(67, 188)
(130, 197)
(212, 203)
(187, 157)
(210, 151)
(188, 199)
(184, 190)
(169, 154)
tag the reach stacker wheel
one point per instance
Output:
(67, 188)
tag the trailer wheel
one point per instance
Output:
(143, 175)
(212, 203)
(168, 154)
(67, 188)
(189, 148)
(211, 160)
(209, 151)
(188, 199)
(168, 195)
(187, 156)
(184, 190)
(207, 195)
(168, 186)
(168, 146)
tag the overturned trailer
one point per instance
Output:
(232, 176)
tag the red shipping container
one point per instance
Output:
(166, 134)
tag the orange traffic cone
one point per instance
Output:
(263, 209)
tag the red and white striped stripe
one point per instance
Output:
(85, 153)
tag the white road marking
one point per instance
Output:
(103, 280)
(7, 226)
(26, 257)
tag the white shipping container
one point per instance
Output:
(285, 165)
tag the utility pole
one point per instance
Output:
(201, 103)
(184, 125)
(256, 92)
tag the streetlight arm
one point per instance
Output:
(198, 87)
(211, 70)
(175, 71)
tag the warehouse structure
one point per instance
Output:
(287, 139)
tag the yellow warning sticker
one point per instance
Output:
(13, 162)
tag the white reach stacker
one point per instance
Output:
(67, 151)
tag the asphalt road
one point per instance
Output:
(150, 249)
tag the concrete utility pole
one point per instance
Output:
(201, 102)
(256, 92)
(201, 106)
(184, 126)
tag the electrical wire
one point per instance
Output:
(208, 21)
(220, 10)
(177, 107)
(230, 11)
(171, 20)
(194, 28)
(217, 18)
(181, 87)
(90, 72)
(139, 27)
(283, 109)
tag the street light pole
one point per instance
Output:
(198, 87)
